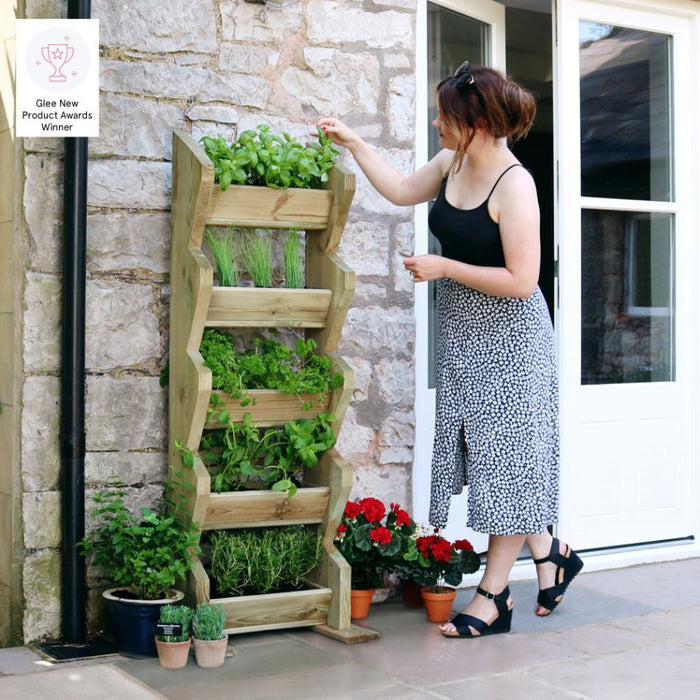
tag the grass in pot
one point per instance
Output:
(173, 641)
(210, 641)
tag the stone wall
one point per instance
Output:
(207, 67)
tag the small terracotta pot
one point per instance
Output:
(210, 653)
(438, 606)
(173, 655)
(360, 600)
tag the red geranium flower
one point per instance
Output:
(340, 532)
(380, 535)
(373, 509)
(352, 510)
(464, 546)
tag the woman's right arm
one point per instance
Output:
(422, 186)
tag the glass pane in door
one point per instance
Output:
(626, 133)
(452, 39)
(627, 297)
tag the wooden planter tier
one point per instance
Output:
(255, 613)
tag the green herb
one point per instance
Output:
(221, 246)
(263, 158)
(148, 552)
(293, 261)
(256, 255)
(176, 614)
(243, 455)
(209, 621)
(263, 560)
(267, 364)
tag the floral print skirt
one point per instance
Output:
(496, 422)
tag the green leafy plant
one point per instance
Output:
(244, 455)
(263, 560)
(266, 364)
(222, 248)
(147, 552)
(209, 621)
(173, 615)
(256, 256)
(293, 276)
(264, 158)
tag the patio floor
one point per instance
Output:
(625, 633)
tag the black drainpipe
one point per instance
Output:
(73, 586)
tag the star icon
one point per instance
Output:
(58, 54)
(38, 63)
(74, 74)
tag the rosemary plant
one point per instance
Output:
(222, 248)
(173, 614)
(293, 261)
(256, 255)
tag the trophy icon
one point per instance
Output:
(57, 55)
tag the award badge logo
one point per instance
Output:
(58, 78)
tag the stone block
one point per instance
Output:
(380, 30)
(212, 113)
(130, 468)
(123, 240)
(390, 484)
(128, 184)
(242, 58)
(395, 381)
(355, 441)
(41, 455)
(132, 126)
(43, 211)
(256, 24)
(148, 27)
(365, 245)
(373, 332)
(125, 414)
(402, 107)
(42, 519)
(335, 82)
(42, 329)
(121, 328)
(42, 595)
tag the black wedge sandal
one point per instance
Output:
(463, 622)
(568, 565)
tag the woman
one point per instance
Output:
(496, 411)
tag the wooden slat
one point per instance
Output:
(235, 307)
(265, 207)
(269, 407)
(275, 610)
(265, 508)
(341, 182)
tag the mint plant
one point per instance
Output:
(267, 159)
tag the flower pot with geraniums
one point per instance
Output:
(210, 641)
(173, 638)
(439, 566)
(144, 555)
(373, 541)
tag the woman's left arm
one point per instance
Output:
(515, 205)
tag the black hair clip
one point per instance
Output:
(463, 76)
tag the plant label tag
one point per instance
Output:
(169, 629)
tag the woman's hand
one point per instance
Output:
(340, 134)
(424, 268)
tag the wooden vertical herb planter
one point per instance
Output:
(320, 309)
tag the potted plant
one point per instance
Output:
(173, 638)
(144, 555)
(438, 568)
(210, 641)
(373, 541)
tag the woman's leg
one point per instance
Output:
(502, 552)
(549, 574)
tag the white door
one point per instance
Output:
(456, 30)
(624, 141)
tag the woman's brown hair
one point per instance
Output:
(481, 97)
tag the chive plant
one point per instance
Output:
(222, 248)
(256, 255)
(292, 261)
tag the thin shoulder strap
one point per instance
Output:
(510, 167)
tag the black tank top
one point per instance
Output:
(468, 235)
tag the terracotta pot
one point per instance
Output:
(410, 594)
(438, 606)
(360, 600)
(210, 653)
(173, 655)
